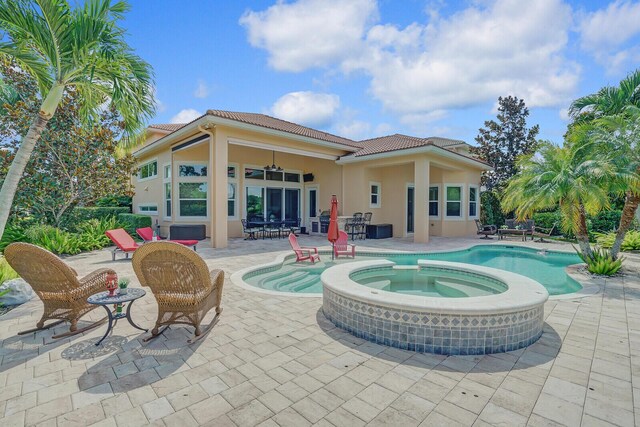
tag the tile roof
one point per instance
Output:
(170, 127)
(397, 141)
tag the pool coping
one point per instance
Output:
(589, 284)
(522, 293)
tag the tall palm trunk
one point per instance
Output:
(582, 234)
(19, 163)
(628, 214)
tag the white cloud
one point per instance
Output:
(185, 116)
(489, 49)
(307, 108)
(354, 129)
(202, 90)
(605, 32)
(309, 33)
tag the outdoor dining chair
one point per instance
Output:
(63, 294)
(182, 285)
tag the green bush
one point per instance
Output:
(601, 262)
(54, 239)
(132, 221)
(547, 220)
(12, 234)
(81, 214)
(111, 201)
(631, 240)
(605, 221)
(6, 272)
(91, 235)
(491, 212)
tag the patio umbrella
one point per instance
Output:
(332, 233)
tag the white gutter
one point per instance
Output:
(418, 150)
(208, 119)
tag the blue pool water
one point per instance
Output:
(547, 268)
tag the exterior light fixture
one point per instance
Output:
(273, 167)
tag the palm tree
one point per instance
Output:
(83, 49)
(567, 177)
(612, 106)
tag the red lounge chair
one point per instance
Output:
(146, 234)
(302, 253)
(123, 242)
(341, 247)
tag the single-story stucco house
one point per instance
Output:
(212, 171)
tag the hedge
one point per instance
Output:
(81, 214)
(132, 221)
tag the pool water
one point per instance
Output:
(429, 282)
(547, 268)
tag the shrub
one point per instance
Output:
(91, 232)
(631, 240)
(547, 220)
(12, 234)
(491, 212)
(132, 221)
(54, 239)
(605, 221)
(82, 214)
(601, 262)
(111, 201)
(6, 272)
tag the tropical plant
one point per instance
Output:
(82, 48)
(601, 262)
(6, 272)
(631, 240)
(567, 177)
(613, 107)
(12, 234)
(72, 164)
(501, 142)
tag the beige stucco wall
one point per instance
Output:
(350, 182)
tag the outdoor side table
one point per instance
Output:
(103, 299)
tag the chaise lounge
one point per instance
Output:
(146, 234)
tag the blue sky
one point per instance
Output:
(366, 68)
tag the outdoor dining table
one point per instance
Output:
(264, 224)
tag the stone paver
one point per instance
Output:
(276, 361)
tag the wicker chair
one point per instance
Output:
(183, 286)
(64, 295)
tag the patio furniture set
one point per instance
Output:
(515, 228)
(256, 227)
(182, 285)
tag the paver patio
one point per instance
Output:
(276, 361)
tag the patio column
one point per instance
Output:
(218, 155)
(420, 203)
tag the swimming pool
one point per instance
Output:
(545, 267)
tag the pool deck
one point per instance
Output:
(276, 361)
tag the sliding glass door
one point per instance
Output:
(273, 203)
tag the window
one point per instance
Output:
(275, 175)
(166, 175)
(148, 170)
(434, 201)
(291, 177)
(167, 199)
(473, 201)
(374, 199)
(453, 205)
(148, 209)
(251, 173)
(193, 199)
(255, 201)
(192, 170)
(231, 199)
(231, 172)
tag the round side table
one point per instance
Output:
(103, 299)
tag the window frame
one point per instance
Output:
(146, 163)
(462, 215)
(236, 183)
(139, 207)
(476, 201)
(438, 201)
(378, 204)
(192, 179)
(167, 180)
